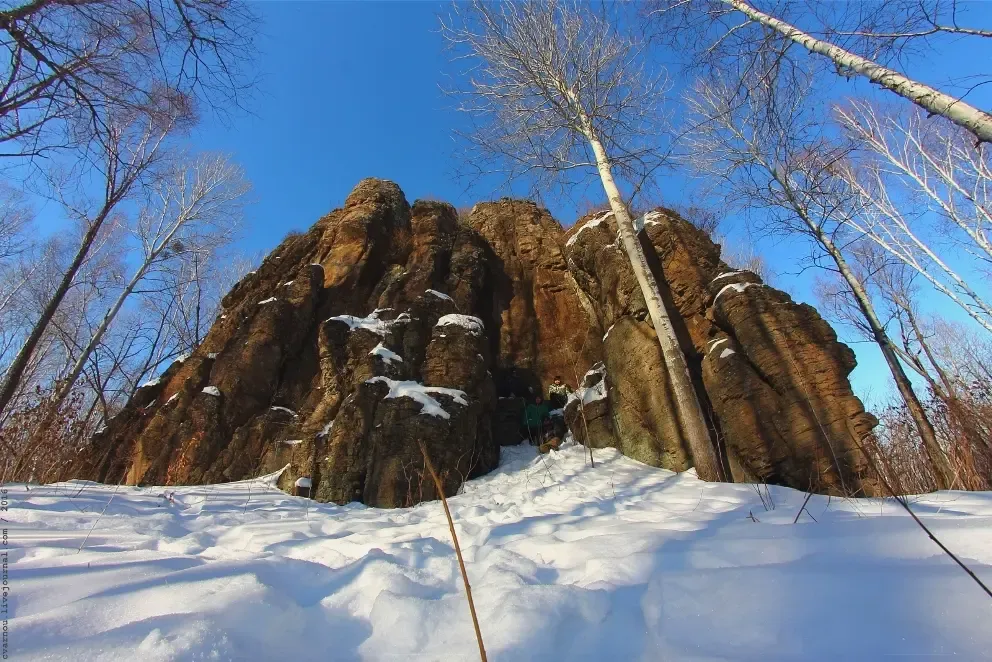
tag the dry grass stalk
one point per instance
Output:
(458, 550)
(902, 502)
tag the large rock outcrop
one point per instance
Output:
(770, 372)
(386, 326)
(350, 345)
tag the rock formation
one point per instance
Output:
(386, 326)
(772, 373)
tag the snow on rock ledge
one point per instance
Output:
(650, 218)
(473, 324)
(591, 223)
(371, 323)
(736, 287)
(439, 295)
(385, 354)
(421, 394)
(727, 274)
(594, 389)
(590, 394)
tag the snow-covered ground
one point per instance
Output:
(567, 562)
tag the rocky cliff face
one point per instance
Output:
(771, 373)
(386, 326)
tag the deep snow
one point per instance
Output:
(567, 562)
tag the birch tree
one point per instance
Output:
(845, 62)
(31, 281)
(194, 208)
(926, 192)
(133, 146)
(886, 28)
(559, 90)
(71, 66)
(770, 154)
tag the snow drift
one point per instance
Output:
(567, 562)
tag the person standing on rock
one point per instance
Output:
(558, 393)
(534, 416)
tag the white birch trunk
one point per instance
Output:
(97, 336)
(935, 102)
(941, 466)
(690, 414)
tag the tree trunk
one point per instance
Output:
(950, 390)
(934, 101)
(97, 336)
(689, 412)
(16, 370)
(941, 466)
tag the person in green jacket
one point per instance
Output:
(534, 416)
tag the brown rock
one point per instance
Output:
(779, 400)
(545, 325)
(387, 325)
(588, 413)
(288, 374)
(780, 391)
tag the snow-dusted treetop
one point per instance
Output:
(473, 324)
(422, 395)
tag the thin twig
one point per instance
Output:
(248, 500)
(458, 550)
(902, 502)
(808, 495)
(83, 544)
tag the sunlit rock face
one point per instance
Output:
(387, 331)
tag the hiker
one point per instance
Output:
(558, 394)
(534, 416)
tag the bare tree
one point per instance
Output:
(909, 161)
(134, 145)
(15, 219)
(194, 208)
(71, 66)
(769, 151)
(562, 89)
(889, 25)
(764, 27)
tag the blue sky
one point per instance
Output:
(353, 89)
(348, 90)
